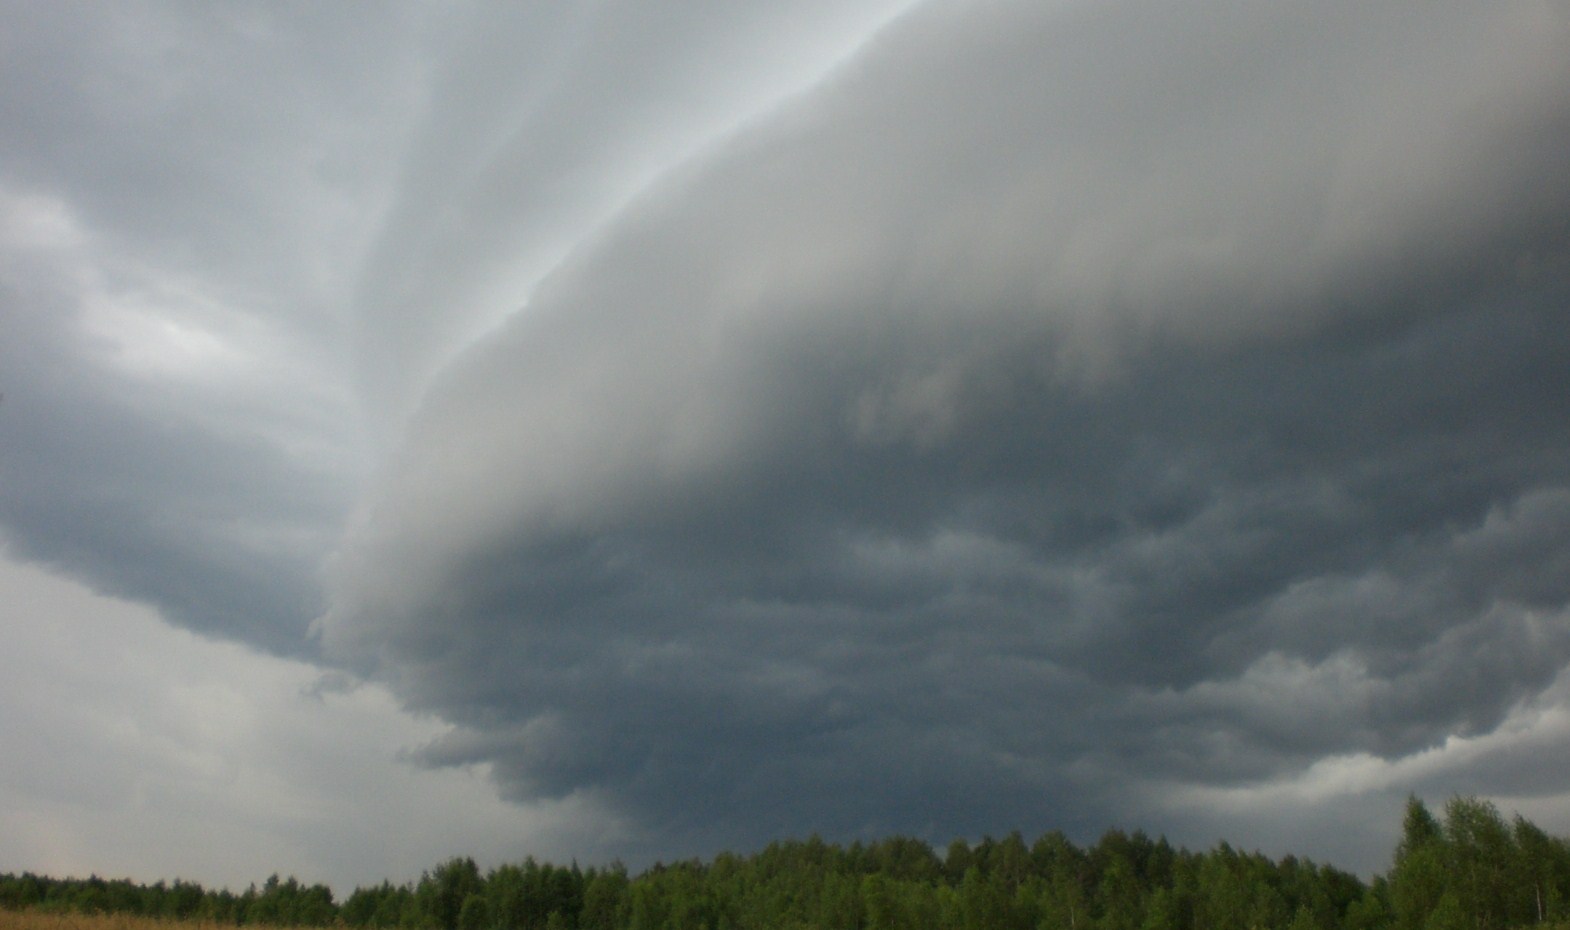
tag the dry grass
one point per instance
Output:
(41, 920)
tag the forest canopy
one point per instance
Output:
(1467, 869)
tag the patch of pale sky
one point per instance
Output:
(1344, 809)
(146, 322)
(1535, 725)
(135, 749)
(141, 340)
(37, 221)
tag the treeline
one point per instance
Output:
(278, 903)
(1469, 870)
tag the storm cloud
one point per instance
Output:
(936, 418)
(1052, 400)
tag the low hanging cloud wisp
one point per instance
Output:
(1054, 402)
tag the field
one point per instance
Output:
(44, 920)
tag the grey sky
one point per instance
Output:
(720, 423)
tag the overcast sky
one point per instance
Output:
(636, 430)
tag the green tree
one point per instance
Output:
(957, 861)
(1447, 914)
(1420, 874)
(879, 903)
(986, 903)
(506, 898)
(1481, 852)
(1369, 912)
(604, 899)
(1221, 900)
(1118, 896)
(366, 907)
(1541, 873)
(1304, 920)
(474, 914)
(441, 894)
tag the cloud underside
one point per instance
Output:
(935, 417)
(1052, 404)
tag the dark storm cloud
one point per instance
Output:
(203, 505)
(1056, 402)
(175, 426)
(1032, 415)
(213, 217)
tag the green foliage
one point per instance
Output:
(605, 899)
(1475, 872)
(440, 896)
(1370, 911)
(1470, 870)
(1419, 878)
(381, 907)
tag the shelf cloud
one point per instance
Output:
(934, 418)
